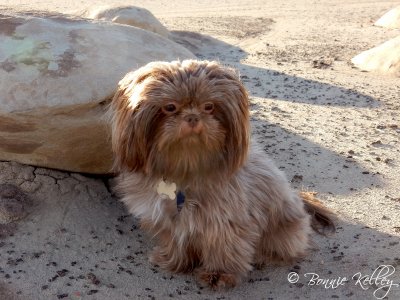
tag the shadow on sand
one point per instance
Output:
(308, 164)
(100, 247)
(271, 83)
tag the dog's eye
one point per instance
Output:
(208, 107)
(170, 108)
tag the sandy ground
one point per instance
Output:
(331, 128)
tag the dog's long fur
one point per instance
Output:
(239, 209)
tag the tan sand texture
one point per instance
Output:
(330, 127)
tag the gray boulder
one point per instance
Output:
(57, 75)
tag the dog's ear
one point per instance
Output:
(238, 138)
(129, 141)
(234, 113)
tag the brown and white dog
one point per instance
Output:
(214, 201)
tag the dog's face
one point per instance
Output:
(180, 119)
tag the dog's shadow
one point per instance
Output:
(307, 164)
(334, 269)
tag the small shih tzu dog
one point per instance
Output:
(212, 199)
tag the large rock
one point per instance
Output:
(56, 76)
(384, 58)
(391, 19)
(128, 15)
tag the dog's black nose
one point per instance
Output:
(192, 119)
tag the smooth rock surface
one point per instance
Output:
(128, 15)
(384, 58)
(391, 19)
(56, 76)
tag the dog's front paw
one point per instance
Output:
(156, 257)
(175, 263)
(217, 280)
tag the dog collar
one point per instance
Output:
(169, 189)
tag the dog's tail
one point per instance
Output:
(321, 217)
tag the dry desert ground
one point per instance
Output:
(331, 128)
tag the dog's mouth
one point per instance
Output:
(189, 133)
(190, 130)
(191, 141)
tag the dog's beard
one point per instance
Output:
(181, 154)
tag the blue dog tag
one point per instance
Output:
(180, 200)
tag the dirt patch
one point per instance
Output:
(14, 203)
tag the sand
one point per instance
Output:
(332, 128)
